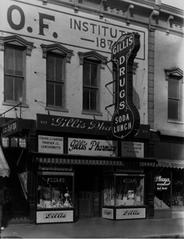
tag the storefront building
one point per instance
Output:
(59, 106)
(168, 114)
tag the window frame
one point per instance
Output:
(90, 88)
(55, 82)
(58, 50)
(16, 41)
(15, 76)
(174, 75)
(92, 56)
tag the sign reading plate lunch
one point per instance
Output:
(125, 120)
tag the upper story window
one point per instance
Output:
(56, 58)
(15, 51)
(175, 97)
(14, 77)
(91, 62)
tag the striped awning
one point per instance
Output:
(4, 168)
(60, 161)
(46, 160)
(167, 163)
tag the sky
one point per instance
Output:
(174, 3)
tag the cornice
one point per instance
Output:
(151, 14)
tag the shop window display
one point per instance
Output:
(55, 191)
(124, 190)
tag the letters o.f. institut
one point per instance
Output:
(92, 109)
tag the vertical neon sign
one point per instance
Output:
(126, 119)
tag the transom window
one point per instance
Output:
(14, 73)
(55, 80)
(90, 85)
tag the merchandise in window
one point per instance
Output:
(109, 191)
(55, 191)
(124, 190)
(129, 191)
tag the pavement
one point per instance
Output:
(100, 228)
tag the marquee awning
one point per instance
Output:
(4, 168)
(167, 163)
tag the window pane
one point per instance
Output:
(93, 100)
(59, 68)
(50, 94)
(94, 68)
(18, 62)
(173, 89)
(50, 68)
(9, 60)
(58, 95)
(173, 109)
(8, 94)
(18, 88)
(86, 74)
(86, 99)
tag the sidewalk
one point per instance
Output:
(100, 228)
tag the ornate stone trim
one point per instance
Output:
(93, 55)
(175, 73)
(16, 41)
(59, 49)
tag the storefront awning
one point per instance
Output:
(166, 163)
(125, 162)
(4, 168)
(56, 161)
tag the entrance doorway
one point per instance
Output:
(88, 186)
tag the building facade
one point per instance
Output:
(58, 98)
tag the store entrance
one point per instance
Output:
(88, 180)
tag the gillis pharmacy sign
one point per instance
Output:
(126, 119)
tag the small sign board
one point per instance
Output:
(132, 149)
(80, 146)
(50, 144)
(54, 216)
(107, 213)
(130, 213)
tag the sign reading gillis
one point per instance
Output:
(125, 120)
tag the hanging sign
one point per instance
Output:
(125, 120)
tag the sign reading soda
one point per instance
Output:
(125, 120)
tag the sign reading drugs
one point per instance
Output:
(125, 120)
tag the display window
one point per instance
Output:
(124, 190)
(177, 188)
(55, 190)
